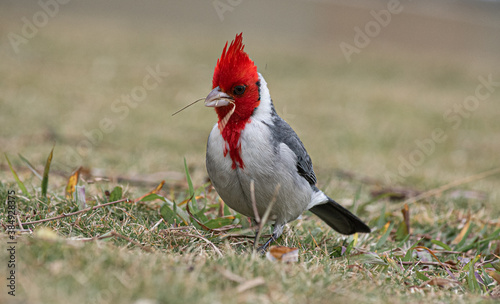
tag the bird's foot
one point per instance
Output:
(262, 249)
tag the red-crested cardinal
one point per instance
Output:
(250, 142)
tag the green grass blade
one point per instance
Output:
(218, 222)
(45, 179)
(226, 210)
(19, 182)
(116, 194)
(152, 197)
(471, 263)
(384, 237)
(421, 276)
(409, 253)
(169, 215)
(30, 166)
(468, 247)
(191, 188)
(177, 211)
(350, 245)
(471, 277)
(357, 196)
(441, 244)
(381, 219)
(402, 231)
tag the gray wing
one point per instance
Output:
(283, 133)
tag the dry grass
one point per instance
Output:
(361, 117)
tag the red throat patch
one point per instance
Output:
(235, 69)
(233, 147)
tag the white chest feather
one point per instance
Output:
(267, 164)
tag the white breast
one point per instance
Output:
(267, 165)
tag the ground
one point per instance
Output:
(413, 110)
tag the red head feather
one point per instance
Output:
(234, 68)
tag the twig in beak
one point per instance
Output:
(188, 105)
(223, 122)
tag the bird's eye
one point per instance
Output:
(239, 90)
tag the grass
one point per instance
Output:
(360, 118)
(148, 247)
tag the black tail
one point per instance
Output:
(339, 218)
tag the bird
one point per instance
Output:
(254, 158)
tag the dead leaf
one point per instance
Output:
(496, 264)
(72, 182)
(404, 227)
(441, 282)
(384, 229)
(283, 253)
(494, 274)
(154, 191)
(406, 217)
(462, 233)
(221, 208)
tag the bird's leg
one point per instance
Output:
(277, 231)
(262, 249)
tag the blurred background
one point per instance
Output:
(403, 92)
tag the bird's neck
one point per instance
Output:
(234, 118)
